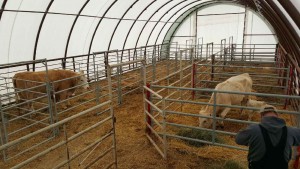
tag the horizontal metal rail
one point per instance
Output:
(24, 138)
(126, 63)
(230, 92)
(170, 75)
(206, 142)
(232, 66)
(85, 149)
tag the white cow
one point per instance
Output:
(239, 83)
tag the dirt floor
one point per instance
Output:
(134, 150)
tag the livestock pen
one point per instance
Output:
(177, 67)
(31, 134)
(172, 110)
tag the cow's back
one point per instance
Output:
(243, 79)
(63, 79)
(226, 98)
(25, 80)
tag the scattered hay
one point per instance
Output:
(198, 134)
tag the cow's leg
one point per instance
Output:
(69, 95)
(244, 103)
(31, 107)
(63, 96)
(223, 115)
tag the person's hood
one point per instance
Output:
(272, 124)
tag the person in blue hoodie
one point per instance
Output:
(270, 142)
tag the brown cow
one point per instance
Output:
(30, 85)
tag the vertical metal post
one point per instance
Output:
(168, 72)
(27, 67)
(7, 89)
(106, 63)
(129, 58)
(244, 32)
(288, 84)
(164, 127)
(201, 49)
(232, 52)
(287, 81)
(145, 53)
(63, 63)
(196, 35)
(193, 79)
(154, 64)
(97, 88)
(223, 51)
(176, 57)
(73, 61)
(214, 118)
(276, 52)
(119, 69)
(4, 135)
(51, 103)
(143, 73)
(158, 52)
(212, 67)
(181, 76)
(94, 64)
(109, 69)
(207, 52)
(67, 148)
(148, 119)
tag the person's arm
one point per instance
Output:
(243, 136)
(295, 132)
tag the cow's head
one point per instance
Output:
(204, 122)
(83, 81)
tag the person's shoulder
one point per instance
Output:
(293, 129)
(253, 127)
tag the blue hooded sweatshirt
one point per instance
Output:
(252, 137)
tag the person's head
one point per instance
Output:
(268, 110)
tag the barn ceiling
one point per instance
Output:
(31, 29)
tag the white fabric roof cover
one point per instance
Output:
(36, 29)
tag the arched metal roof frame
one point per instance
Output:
(207, 4)
(2, 8)
(285, 31)
(39, 32)
(282, 27)
(116, 27)
(168, 19)
(72, 27)
(159, 20)
(148, 21)
(179, 19)
(292, 10)
(95, 31)
(286, 34)
(135, 22)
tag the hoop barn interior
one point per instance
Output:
(133, 148)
